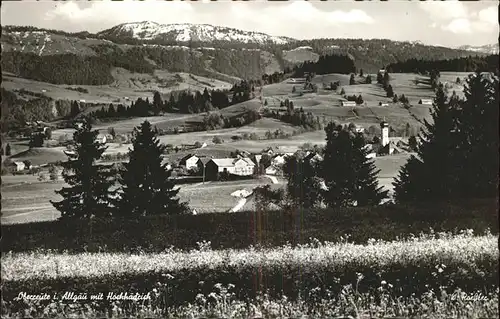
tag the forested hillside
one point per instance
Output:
(84, 58)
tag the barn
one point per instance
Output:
(234, 166)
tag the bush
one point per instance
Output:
(217, 140)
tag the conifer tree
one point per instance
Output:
(157, 102)
(351, 80)
(433, 174)
(7, 150)
(478, 137)
(350, 178)
(389, 91)
(146, 187)
(88, 194)
(303, 184)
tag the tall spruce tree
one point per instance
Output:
(478, 137)
(146, 187)
(303, 184)
(88, 194)
(433, 174)
(350, 177)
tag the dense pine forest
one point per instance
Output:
(327, 64)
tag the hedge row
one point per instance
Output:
(240, 230)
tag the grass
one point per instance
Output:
(25, 199)
(127, 84)
(426, 266)
(215, 196)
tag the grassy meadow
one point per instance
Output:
(396, 261)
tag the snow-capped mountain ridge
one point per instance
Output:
(488, 48)
(148, 30)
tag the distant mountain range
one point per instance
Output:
(147, 30)
(221, 53)
(488, 48)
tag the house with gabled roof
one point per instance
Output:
(232, 166)
(190, 161)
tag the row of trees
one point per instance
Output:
(297, 117)
(462, 64)
(183, 102)
(457, 158)
(326, 64)
(339, 176)
(142, 186)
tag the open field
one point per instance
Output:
(327, 104)
(25, 199)
(426, 267)
(126, 84)
(166, 121)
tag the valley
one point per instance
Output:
(257, 159)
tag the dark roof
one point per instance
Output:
(204, 160)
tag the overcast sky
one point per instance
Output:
(449, 23)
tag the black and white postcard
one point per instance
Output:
(249, 159)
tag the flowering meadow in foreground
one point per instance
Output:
(221, 303)
(438, 249)
(428, 275)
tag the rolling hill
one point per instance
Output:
(203, 50)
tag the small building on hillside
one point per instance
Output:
(189, 161)
(359, 129)
(234, 166)
(348, 103)
(296, 80)
(425, 101)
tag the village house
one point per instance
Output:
(278, 160)
(271, 170)
(359, 129)
(101, 138)
(348, 103)
(425, 101)
(16, 166)
(313, 157)
(296, 80)
(235, 166)
(189, 161)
